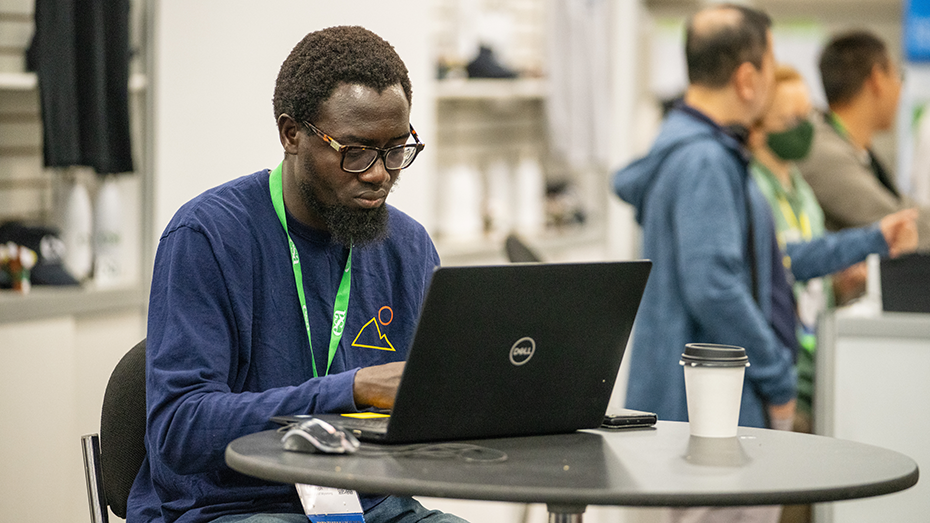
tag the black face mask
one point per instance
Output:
(792, 144)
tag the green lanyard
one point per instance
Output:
(837, 125)
(276, 187)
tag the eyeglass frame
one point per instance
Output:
(382, 153)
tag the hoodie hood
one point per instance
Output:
(683, 126)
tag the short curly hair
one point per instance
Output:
(328, 57)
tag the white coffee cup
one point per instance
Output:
(714, 387)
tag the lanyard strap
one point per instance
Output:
(837, 125)
(803, 225)
(341, 305)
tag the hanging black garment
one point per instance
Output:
(80, 53)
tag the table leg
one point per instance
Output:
(565, 513)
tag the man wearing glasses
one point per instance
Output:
(862, 85)
(293, 290)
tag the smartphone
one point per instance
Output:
(629, 419)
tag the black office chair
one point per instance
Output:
(112, 459)
(518, 251)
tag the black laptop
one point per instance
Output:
(510, 350)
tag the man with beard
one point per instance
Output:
(289, 291)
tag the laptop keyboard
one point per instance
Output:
(366, 424)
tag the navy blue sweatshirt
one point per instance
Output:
(227, 347)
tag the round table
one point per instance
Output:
(660, 466)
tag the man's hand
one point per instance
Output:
(900, 231)
(849, 283)
(377, 386)
(781, 417)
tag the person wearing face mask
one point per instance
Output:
(717, 273)
(782, 136)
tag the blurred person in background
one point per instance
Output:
(718, 269)
(781, 137)
(862, 85)
(716, 273)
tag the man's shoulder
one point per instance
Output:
(407, 238)
(830, 152)
(248, 188)
(705, 158)
(234, 201)
(693, 140)
(694, 161)
(402, 223)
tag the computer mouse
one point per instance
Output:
(316, 435)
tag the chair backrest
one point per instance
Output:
(518, 251)
(122, 428)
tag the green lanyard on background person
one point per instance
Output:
(837, 125)
(276, 187)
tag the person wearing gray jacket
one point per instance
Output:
(862, 85)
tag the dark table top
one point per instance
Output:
(661, 466)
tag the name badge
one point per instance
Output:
(330, 505)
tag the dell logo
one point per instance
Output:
(522, 351)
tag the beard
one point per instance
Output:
(347, 226)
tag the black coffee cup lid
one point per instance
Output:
(714, 355)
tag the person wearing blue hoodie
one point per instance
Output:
(717, 272)
(708, 229)
(717, 266)
(709, 234)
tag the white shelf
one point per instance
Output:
(45, 301)
(29, 81)
(491, 89)
(546, 244)
(18, 81)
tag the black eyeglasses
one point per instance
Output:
(360, 158)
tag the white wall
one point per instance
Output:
(52, 380)
(215, 69)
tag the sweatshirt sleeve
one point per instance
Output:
(834, 252)
(196, 357)
(710, 218)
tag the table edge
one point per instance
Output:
(272, 472)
